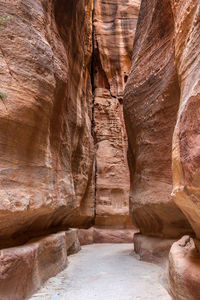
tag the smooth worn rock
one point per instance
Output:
(46, 154)
(113, 236)
(86, 236)
(114, 28)
(184, 270)
(186, 150)
(24, 269)
(152, 249)
(151, 104)
(104, 235)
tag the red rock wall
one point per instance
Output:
(46, 154)
(186, 142)
(114, 28)
(161, 108)
(151, 104)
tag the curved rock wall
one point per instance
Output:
(114, 28)
(150, 107)
(46, 154)
(186, 149)
(161, 108)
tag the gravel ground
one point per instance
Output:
(105, 272)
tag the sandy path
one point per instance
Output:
(105, 272)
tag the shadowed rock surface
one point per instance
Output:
(150, 108)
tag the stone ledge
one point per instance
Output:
(105, 235)
(152, 249)
(24, 269)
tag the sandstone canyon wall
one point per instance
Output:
(161, 112)
(186, 142)
(150, 105)
(46, 154)
(114, 28)
(63, 68)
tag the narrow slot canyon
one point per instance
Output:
(99, 156)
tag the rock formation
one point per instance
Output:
(162, 117)
(63, 68)
(150, 106)
(46, 154)
(25, 268)
(184, 270)
(186, 150)
(114, 28)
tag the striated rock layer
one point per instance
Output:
(186, 141)
(151, 104)
(114, 28)
(46, 154)
(161, 108)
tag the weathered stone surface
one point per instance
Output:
(184, 270)
(46, 154)
(150, 107)
(104, 235)
(24, 269)
(113, 235)
(114, 28)
(152, 249)
(86, 236)
(186, 150)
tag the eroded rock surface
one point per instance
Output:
(186, 150)
(24, 269)
(184, 270)
(114, 28)
(104, 235)
(150, 107)
(46, 154)
(152, 249)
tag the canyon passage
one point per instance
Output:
(100, 149)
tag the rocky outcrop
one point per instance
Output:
(46, 155)
(25, 268)
(150, 107)
(184, 270)
(152, 249)
(114, 28)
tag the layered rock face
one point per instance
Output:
(46, 154)
(161, 107)
(114, 28)
(150, 106)
(186, 149)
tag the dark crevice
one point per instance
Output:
(92, 74)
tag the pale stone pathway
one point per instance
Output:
(105, 272)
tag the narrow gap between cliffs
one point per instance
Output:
(93, 105)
